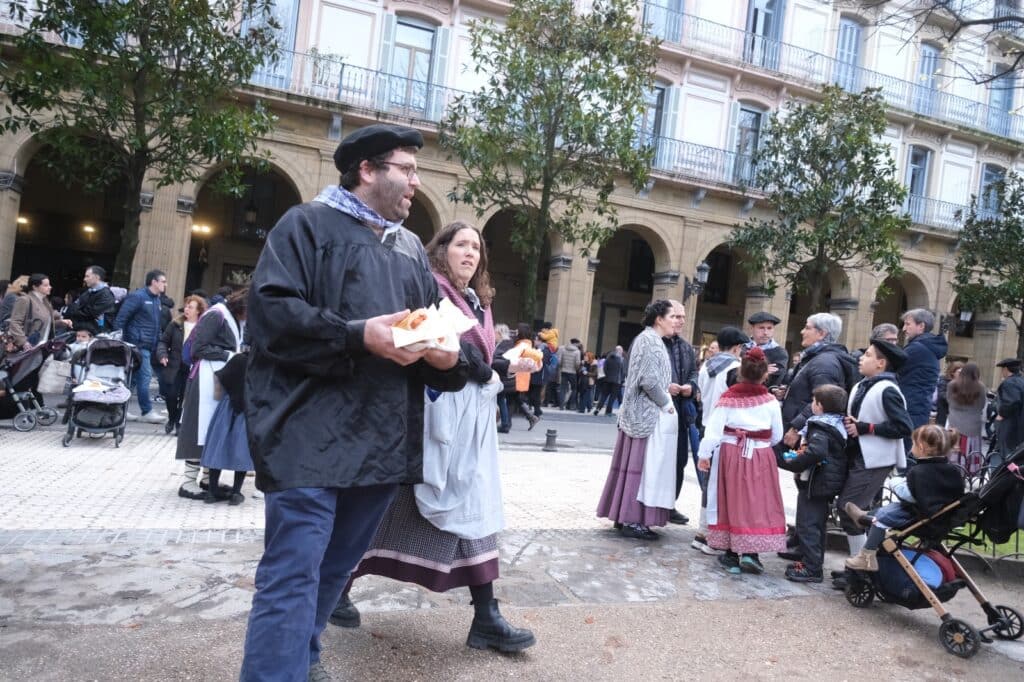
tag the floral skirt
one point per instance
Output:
(751, 516)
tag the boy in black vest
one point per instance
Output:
(820, 465)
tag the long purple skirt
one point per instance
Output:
(618, 501)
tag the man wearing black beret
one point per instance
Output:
(1010, 416)
(762, 334)
(335, 410)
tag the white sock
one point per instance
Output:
(856, 543)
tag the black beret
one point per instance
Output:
(894, 355)
(763, 316)
(371, 141)
(1012, 364)
(729, 337)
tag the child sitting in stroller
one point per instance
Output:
(930, 485)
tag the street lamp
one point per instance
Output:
(695, 286)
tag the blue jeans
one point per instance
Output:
(313, 539)
(141, 380)
(505, 418)
(568, 390)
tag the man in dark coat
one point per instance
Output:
(920, 373)
(334, 409)
(823, 361)
(614, 376)
(684, 384)
(762, 334)
(1010, 402)
(139, 318)
(93, 309)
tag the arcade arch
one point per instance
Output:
(506, 268)
(901, 294)
(724, 297)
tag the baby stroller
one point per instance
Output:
(917, 553)
(101, 377)
(17, 372)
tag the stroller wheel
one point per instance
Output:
(117, 439)
(24, 421)
(1012, 626)
(46, 416)
(959, 638)
(66, 440)
(859, 592)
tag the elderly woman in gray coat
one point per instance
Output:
(645, 398)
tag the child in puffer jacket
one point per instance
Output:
(820, 467)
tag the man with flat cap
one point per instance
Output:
(335, 410)
(876, 424)
(762, 334)
(1010, 417)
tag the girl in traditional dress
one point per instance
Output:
(745, 511)
(639, 491)
(442, 534)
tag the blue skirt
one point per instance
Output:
(227, 444)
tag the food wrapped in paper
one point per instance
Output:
(433, 327)
(524, 358)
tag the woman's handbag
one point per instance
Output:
(53, 376)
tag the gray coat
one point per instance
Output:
(647, 380)
(969, 420)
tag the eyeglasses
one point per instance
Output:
(407, 168)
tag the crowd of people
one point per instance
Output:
(380, 459)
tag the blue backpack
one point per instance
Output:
(550, 370)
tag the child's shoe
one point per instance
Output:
(865, 560)
(858, 515)
(798, 573)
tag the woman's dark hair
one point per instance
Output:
(966, 388)
(35, 281)
(656, 309)
(952, 367)
(4, 283)
(237, 303)
(524, 331)
(832, 398)
(753, 366)
(437, 253)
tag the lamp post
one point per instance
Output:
(695, 286)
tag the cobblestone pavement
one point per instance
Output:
(105, 573)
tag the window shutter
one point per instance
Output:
(387, 47)
(439, 73)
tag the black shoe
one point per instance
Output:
(345, 614)
(840, 582)
(751, 563)
(236, 499)
(490, 630)
(168, 427)
(213, 497)
(798, 573)
(504, 429)
(638, 532)
(791, 556)
(730, 562)
(676, 517)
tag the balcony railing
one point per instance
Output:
(702, 163)
(701, 35)
(330, 78)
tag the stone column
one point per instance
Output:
(989, 332)
(846, 309)
(666, 285)
(10, 203)
(165, 230)
(556, 302)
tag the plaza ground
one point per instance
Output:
(106, 574)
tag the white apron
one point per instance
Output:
(207, 368)
(658, 478)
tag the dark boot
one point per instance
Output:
(490, 630)
(345, 614)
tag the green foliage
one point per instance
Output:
(832, 184)
(139, 90)
(989, 271)
(553, 127)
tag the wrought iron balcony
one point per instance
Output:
(701, 163)
(702, 36)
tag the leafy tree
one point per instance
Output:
(554, 125)
(989, 271)
(832, 186)
(139, 90)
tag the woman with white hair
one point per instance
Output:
(823, 361)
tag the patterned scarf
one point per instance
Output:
(480, 336)
(719, 362)
(340, 199)
(830, 418)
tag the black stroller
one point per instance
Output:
(17, 376)
(101, 377)
(917, 550)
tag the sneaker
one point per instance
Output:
(158, 399)
(701, 545)
(152, 418)
(132, 417)
(751, 563)
(318, 673)
(798, 573)
(729, 562)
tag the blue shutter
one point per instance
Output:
(438, 99)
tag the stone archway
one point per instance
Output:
(228, 233)
(507, 267)
(422, 220)
(837, 301)
(629, 267)
(724, 297)
(85, 225)
(901, 294)
(961, 333)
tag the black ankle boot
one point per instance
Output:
(345, 614)
(490, 630)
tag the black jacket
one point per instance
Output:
(827, 364)
(919, 375)
(824, 454)
(87, 310)
(171, 341)
(934, 483)
(322, 411)
(613, 373)
(232, 378)
(1010, 429)
(500, 365)
(780, 358)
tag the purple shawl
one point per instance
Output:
(481, 337)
